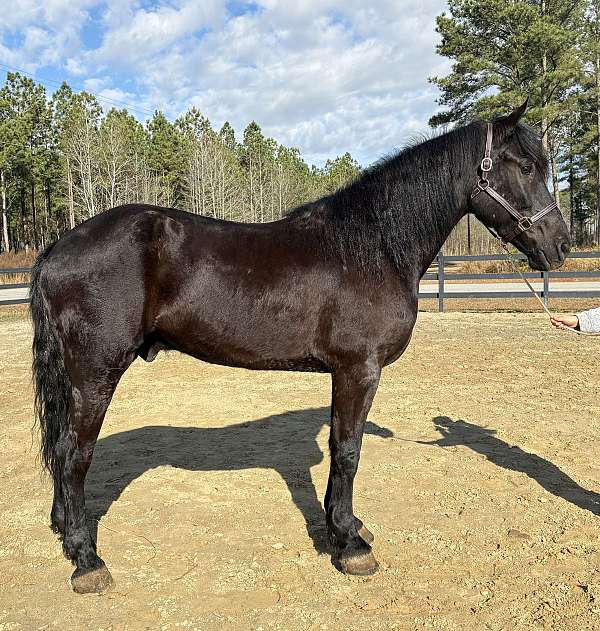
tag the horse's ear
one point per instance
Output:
(508, 123)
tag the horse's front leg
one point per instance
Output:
(362, 530)
(353, 390)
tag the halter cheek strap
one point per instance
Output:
(524, 222)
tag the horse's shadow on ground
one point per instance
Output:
(512, 457)
(283, 442)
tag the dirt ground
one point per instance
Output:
(479, 478)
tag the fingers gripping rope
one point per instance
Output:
(533, 291)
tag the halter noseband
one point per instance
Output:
(524, 223)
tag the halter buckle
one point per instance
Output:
(524, 224)
(486, 165)
(479, 187)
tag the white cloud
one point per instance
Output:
(327, 76)
(48, 31)
(141, 32)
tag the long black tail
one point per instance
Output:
(50, 378)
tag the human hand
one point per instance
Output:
(565, 321)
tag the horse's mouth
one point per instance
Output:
(538, 260)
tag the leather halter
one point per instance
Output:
(524, 223)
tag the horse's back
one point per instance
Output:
(162, 278)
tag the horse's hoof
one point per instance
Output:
(93, 581)
(366, 535)
(359, 565)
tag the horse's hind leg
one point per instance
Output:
(57, 515)
(90, 401)
(353, 392)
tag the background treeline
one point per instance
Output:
(548, 50)
(63, 160)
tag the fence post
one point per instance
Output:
(546, 290)
(440, 259)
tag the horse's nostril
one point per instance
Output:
(565, 248)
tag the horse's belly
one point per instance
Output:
(302, 364)
(256, 347)
(247, 358)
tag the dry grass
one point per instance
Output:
(9, 313)
(500, 267)
(508, 305)
(485, 267)
(9, 260)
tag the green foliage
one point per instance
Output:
(504, 51)
(340, 170)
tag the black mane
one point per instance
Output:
(397, 208)
(401, 205)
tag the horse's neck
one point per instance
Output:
(430, 251)
(432, 217)
(402, 210)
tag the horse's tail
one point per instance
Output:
(50, 379)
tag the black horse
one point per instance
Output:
(332, 287)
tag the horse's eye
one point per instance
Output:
(526, 168)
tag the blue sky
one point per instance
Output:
(325, 76)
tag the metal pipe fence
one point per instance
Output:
(443, 277)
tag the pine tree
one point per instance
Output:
(166, 158)
(589, 106)
(64, 160)
(339, 171)
(258, 158)
(506, 51)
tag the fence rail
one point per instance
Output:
(443, 276)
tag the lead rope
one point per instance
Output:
(510, 259)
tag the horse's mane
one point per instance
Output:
(399, 206)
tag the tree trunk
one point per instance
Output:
(71, 200)
(253, 218)
(34, 216)
(469, 248)
(5, 241)
(598, 148)
(49, 211)
(572, 199)
(554, 171)
(24, 235)
(543, 89)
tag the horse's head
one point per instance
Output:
(511, 197)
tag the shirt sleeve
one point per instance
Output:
(589, 321)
